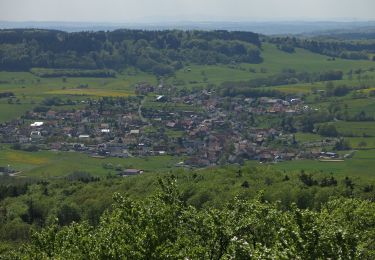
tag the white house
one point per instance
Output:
(37, 124)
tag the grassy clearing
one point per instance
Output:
(308, 137)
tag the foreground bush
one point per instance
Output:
(162, 227)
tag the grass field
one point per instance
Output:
(358, 129)
(31, 90)
(355, 106)
(362, 165)
(12, 111)
(308, 137)
(361, 142)
(304, 60)
(355, 142)
(350, 105)
(275, 61)
(53, 164)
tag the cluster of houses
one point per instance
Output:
(202, 127)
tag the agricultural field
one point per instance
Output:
(308, 137)
(361, 166)
(31, 90)
(354, 142)
(308, 88)
(275, 61)
(48, 164)
(12, 111)
(358, 129)
(361, 142)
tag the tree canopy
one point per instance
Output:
(163, 227)
(160, 52)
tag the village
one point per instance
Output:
(202, 127)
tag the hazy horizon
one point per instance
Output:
(143, 11)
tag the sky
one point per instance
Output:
(184, 10)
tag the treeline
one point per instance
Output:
(164, 227)
(52, 73)
(10, 187)
(355, 50)
(160, 52)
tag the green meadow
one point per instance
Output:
(361, 166)
(48, 164)
(12, 111)
(355, 142)
(275, 61)
(308, 137)
(31, 90)
(54, 164)
(361, 142)
(358, 129)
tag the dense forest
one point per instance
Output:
(160, 52)
(163, 226)
(33, 205)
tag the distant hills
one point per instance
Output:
(267, 28)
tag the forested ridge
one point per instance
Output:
(160, 52)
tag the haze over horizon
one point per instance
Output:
(121, 11)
